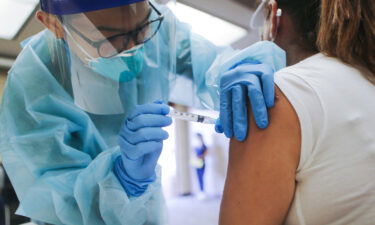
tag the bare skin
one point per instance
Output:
(261, 176)
(261, 182)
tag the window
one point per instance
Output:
(214, 29)
(13, 16)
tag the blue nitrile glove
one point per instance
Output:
(141, 141)
(246, 79)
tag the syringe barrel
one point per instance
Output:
(183, 116)
(191, 117)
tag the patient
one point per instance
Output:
(315, 164)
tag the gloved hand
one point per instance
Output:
(246, 79)
(141, 141)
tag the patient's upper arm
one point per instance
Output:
(261, 175)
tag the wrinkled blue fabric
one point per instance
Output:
(265, 52)
(59, 163)
(248, 79)
(141, 142)
(60, 159)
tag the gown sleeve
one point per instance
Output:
(195, 56)
(57, 161)
(204, 63)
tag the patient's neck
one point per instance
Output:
(295, 54)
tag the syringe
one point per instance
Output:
(191, 117)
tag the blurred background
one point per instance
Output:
(190, 200)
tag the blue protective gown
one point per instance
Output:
(60, 159)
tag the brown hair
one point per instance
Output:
(305, 14)
(344, 29)
(347, 31)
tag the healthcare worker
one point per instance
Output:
(82, 115)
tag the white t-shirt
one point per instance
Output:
(335, 105)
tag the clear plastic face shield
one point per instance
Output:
(260, 20)
(119, 57)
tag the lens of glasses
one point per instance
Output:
(110, 48)
(118, 44)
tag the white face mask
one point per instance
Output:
(96, 86)
(259, 22)
(92, 91)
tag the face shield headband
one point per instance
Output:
(67, 7)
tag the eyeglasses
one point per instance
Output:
(116, 44)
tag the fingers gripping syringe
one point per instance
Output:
(191, 117)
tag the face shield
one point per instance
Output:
(259, 20)
(259, 17)
(116, 57)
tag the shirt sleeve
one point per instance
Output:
(308, 107)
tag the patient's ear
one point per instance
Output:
(51, 22)
(273, 17)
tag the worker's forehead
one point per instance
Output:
(112, 16)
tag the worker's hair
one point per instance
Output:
(347, 31)
(344, 29)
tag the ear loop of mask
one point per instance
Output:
(279, 13)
